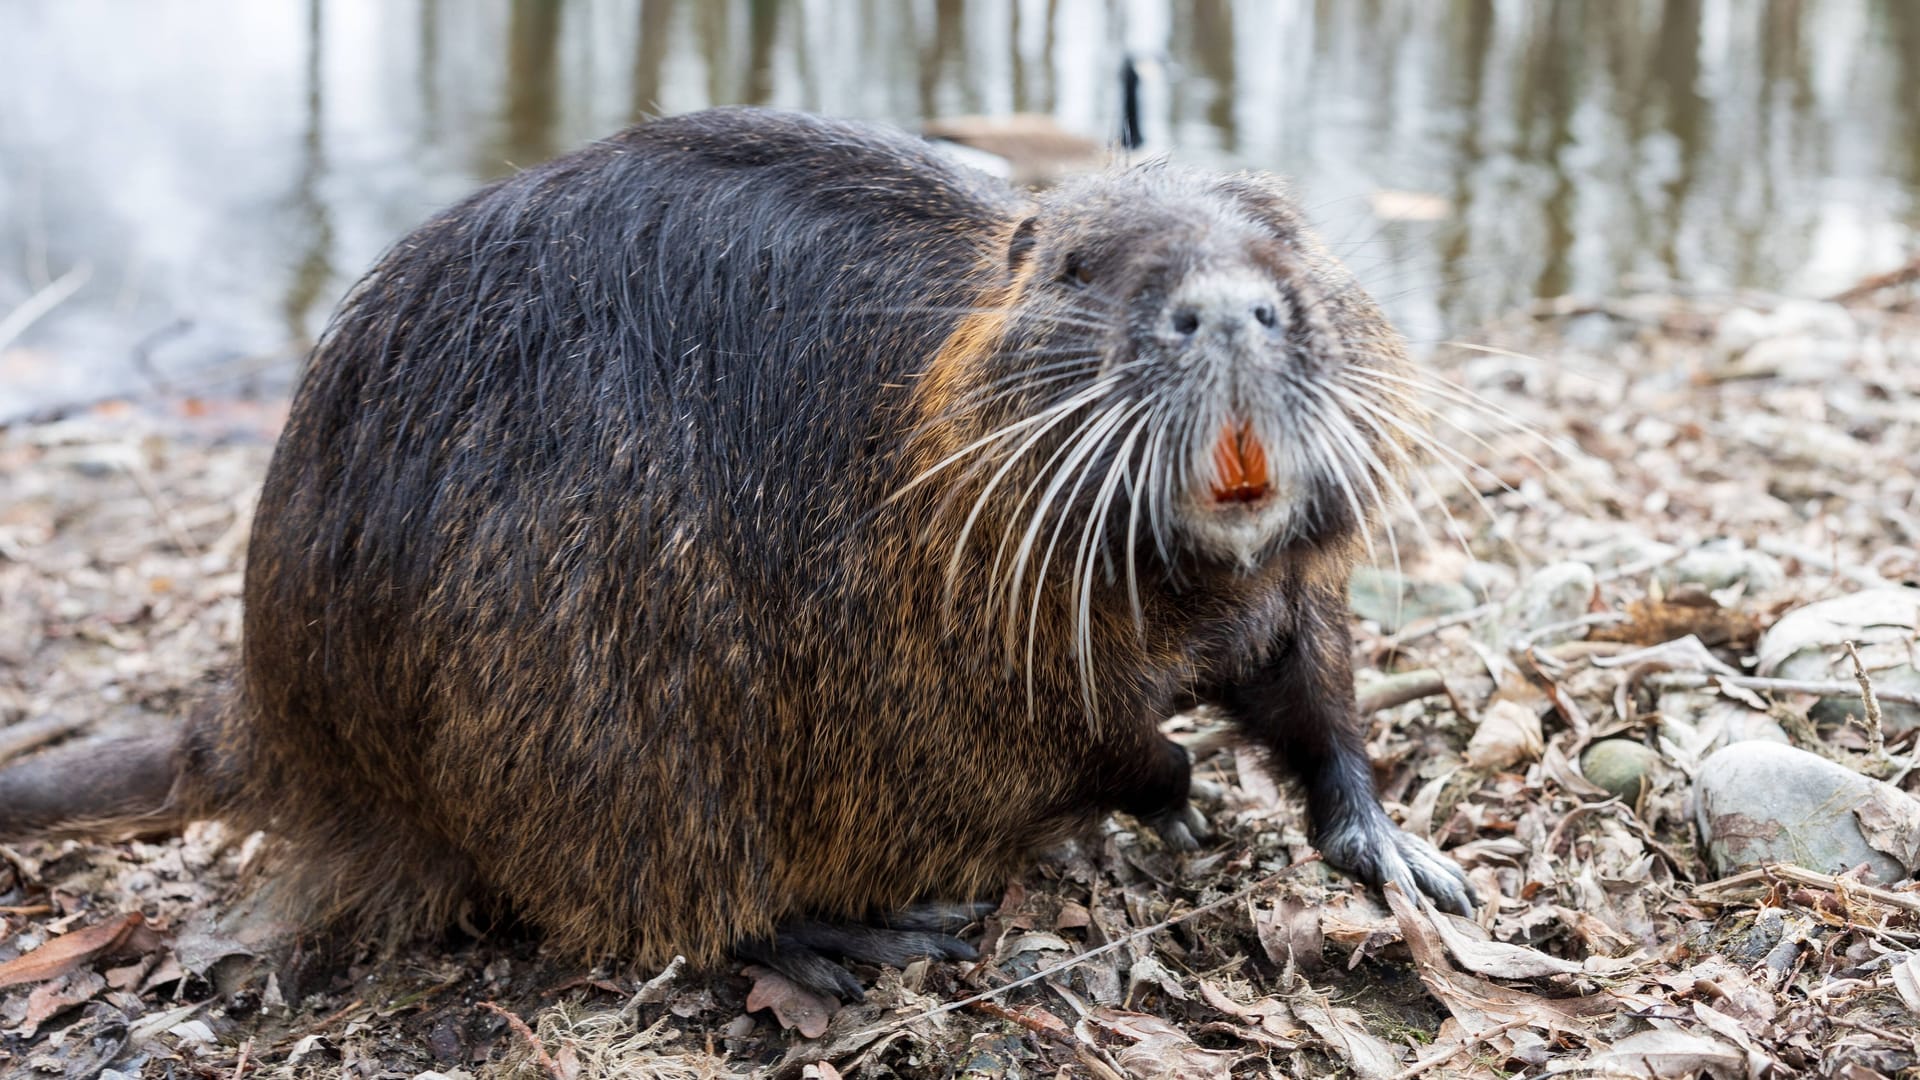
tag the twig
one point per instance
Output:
(321, 1024)
(1459, 1048)
(1697, 680)
(1081, 958)
(175, 531)
(1525, 641)
(33, 734)
(1800, 875)
(655, 989)
(1080, 1051)
(1432, 626)
(37, 305)
(1873, 283)
(1859, 575)
(1400, 688)
(1876, 736)
(240, 1066)
(526, 1035)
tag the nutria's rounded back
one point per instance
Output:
(754, 517)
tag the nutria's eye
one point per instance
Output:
(1074, 271)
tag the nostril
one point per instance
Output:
(1186, 321)
(1265, 316)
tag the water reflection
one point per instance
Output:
(235, 164)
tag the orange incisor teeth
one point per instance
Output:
(1239, 465)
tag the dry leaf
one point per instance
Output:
(1290, 932)
(794, 1007)
(1497, 958)
(126, 935)
(1509, 733)
(1666, 1053)
(51, 998)
(1892, 825)
(1159, 1050)
(1369, 1056)
(1906, 979)
(1477, 1004)
(1149, 971)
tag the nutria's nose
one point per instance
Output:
(1225, 304)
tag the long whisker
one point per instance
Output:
(1053, 417)
(1004, 431)
(1093, 536)
(1001, 555)
(1439, 452)
(1090, 445)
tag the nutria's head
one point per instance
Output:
(1176, 363)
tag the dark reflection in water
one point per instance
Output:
(230, 165)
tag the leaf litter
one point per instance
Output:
(1691, 489)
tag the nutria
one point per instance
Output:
(752, 530)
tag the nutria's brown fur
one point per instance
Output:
(674, 542)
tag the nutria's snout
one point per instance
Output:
(1238, 312)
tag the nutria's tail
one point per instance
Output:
(116, 788)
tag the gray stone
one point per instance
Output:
(1624, 549)
(1807, 643)
(1695, 723)
(1555, 594)
(1759, 802)
(1395, 600)
(1719, 566)
(1622, 766)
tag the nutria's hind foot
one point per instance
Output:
(945, 917)
(1372, 848)
(800, 950)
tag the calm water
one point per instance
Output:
(212, 174)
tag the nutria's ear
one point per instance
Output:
(1021, 245)
(1268, 199)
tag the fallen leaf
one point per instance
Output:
(1480, 1005)
(1369, 1056)
(1892, 825)
(56, 996)
(1148, 971)
(1159, 1050)
(126, 935)
(794, 1007)
(1667, 1053)
(1497, 958)
(1906, 979)
(1290, 933)
(1651, 622)
(1509, 733)
(1072, 916)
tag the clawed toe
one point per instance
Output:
(1377, 851)
(804, 967)
(946, 918)
(1183, 828)
(801, 950)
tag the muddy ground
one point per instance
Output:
(1618, 475)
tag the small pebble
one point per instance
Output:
(1621, 766)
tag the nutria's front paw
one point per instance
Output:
(1377, 851)
(1183, 828)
